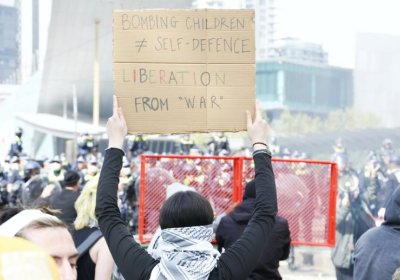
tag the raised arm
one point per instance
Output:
(133, 261)
(242, 257)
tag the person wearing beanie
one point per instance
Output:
(232, 225)
(65, 200)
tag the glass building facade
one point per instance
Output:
(9, 57)
(313, 89)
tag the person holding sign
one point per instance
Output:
(184, 250)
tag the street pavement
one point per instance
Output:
(321, 269)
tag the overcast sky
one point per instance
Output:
(334, 23)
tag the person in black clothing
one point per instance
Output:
(185, 250)
(233, 224)
(65, 200)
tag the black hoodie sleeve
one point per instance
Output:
(132, 260)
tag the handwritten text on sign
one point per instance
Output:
(184, 67)
(221, 44)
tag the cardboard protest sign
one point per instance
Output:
(179, 71)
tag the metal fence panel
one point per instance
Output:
(306, 191)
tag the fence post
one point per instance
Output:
(142, 188)
(332, 206)
(237, 179)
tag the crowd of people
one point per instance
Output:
(186, 220)
(366, 199)
(367, 217)
(35, 181)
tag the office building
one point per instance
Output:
(296, 50)
(9, 56)
(376, 76)
(303, 88)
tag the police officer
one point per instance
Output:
(16, 146)
(339, 149)
(15, 175)
(219, 144)
(34, 184)
(92, 169)
(87, 144)
(56, 173)
(387, 146)
(348, 177)
(137, 144)
(186, 144)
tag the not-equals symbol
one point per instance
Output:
(139, 44)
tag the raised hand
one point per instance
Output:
(258, 129)
(116, 127)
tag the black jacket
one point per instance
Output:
(65, 201)
(277, 247)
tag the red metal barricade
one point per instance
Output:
(306, 191)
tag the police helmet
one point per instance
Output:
(31, 167)
(56, 159)
(32, 191)
(19, 132)
(387, 142)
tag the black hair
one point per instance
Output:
(186, 209)
(71, 178)
(250, 190)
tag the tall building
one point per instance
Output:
(21, 26)
(9, 56)
(265, 26)
(23, 37)
(28, 38)
(264, 19)
(376, 76)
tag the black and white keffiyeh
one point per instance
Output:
(185, 253)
